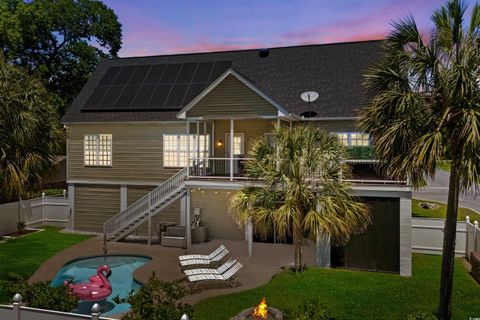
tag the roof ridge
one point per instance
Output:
(252, 49)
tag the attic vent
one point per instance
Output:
(263, 53)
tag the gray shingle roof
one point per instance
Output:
(335, 71)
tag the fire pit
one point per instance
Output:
(260, 312)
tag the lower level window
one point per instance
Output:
(97, 150)
(353, 139)
(175, 149)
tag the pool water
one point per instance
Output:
(121, 279)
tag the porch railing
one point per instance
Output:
(363, 171)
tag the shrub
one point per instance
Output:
(158, 300)
(421, 316)
(41, 294)
(360, 152)
(312, 310)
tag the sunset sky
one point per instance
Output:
(153, 27)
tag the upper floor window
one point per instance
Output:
(97, 150)
(353, 139)
(175, 149)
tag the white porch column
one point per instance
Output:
(123, 197)
(231, 149)
(183, 206)
(188, 225)
(405, 236)
(249, 231)
(71, 203)
(188, 149)
(322, 248)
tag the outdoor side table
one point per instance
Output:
(199, 234)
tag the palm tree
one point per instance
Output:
(29, 133)
(298, 189)
(424, 107)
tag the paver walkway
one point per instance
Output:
(266, 261)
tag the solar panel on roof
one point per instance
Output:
(143, 96)
(124, 75)
(152, 87)
(176, 96)
(187, 72)
(160, 95)
(202, 74)
(109, 76)
(126, 97)
(139, 75)
(155, 74)
(171, 73)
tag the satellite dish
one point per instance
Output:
(309, 96)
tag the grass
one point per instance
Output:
(440, 212)
(24, 255)
(355, 294)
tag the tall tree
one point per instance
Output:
(299, 189)
(61, 41)
(425, 106)
(29, 133)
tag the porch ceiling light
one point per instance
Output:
(219, 143)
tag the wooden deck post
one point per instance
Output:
(188, 225)
(231, 149)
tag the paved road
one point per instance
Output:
(437, 190)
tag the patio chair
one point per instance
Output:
(224, 267)
(174, 237)
(203, 256)
(203, 262)
(227, 277)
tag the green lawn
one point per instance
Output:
(355, 294)
(26, 254)
(440, 212)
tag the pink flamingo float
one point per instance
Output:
(98, 287)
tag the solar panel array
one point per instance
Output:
(153, 87)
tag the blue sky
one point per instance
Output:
(167, 26)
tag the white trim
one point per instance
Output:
(182, 114)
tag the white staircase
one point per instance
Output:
(125, 222)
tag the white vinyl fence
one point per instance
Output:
(51, 210)
(473, 237)
(17, 311)
(427, 236)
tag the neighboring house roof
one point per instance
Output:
(156, 88)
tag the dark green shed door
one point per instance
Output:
(378, 248)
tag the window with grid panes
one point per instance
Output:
(97, 150)
(175, 149)
(353, 139)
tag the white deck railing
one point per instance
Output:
(146, 205)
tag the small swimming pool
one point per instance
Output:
(121, 279)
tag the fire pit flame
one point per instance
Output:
(261, 311)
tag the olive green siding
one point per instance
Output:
(337, 126)
(232, 97)
(251, 129)
(216, 213)
(137, 151)
(170, 214)
(93, 205)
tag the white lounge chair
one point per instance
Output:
(200, 262)
(226, 277)
(224, 267)
(203, 256)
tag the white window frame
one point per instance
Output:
(350, 139)
(102, 157)
(227, 144)
(181, 161)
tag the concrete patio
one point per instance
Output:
(266, 261)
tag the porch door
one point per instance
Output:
(238, 151)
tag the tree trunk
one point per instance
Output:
(298, 239)
(448, 255)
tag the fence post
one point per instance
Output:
(64, 194)
(17, 303)
(43, 207)
(467, 245)
(96, 311)
(475, 228)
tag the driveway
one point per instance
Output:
(437, 190)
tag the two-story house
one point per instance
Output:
(151, 140)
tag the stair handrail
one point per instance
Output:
(145, 203)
